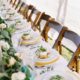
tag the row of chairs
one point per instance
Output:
(44, 23)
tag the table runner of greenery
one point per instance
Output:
(10, 65)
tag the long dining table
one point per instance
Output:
(59, 64)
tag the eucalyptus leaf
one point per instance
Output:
(57, 77)
(11, 29)
(11, 51)
(4, 78)
(5, 34)
(1, 20)
(1, 37)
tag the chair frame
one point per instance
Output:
(10, 1)
(47, 28)
(23, 9)
(19, 1)
(73, 62)
(37, 13)
(13, 4)
(42, 16)
(30, 7)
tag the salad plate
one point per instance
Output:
(18, 41)
(45, 57)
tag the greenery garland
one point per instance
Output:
(8, 54)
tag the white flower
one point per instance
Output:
(18, 76)
(12, 61)
(4, 44)
(2, 26)
(18, 55)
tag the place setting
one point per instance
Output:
(25, 38)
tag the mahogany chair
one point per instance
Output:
(33, 17)
(12, 2)
(23, 9)
(42, 21)
(55, 27)
(29, 12)
(71, 41)
(16, 4)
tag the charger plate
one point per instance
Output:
(17, 37)
(53, 57)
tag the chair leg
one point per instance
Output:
(10, 1)
(14, 3)
(78, 65)
(73, 65)
(45, 32)
(17, 4)
(60, 48)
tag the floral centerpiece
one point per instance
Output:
(11, 67)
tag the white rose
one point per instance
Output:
(12, 61)
(2, 26)
(19, 55)
(4, 44)
(18, 76)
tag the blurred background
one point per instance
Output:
(66, 12)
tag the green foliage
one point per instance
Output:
(12, 69)
(57, 77)
(4, 78)
(26, 70)
(27, 78)
(11, 29)
(1, 20)
(6, 34)
(42, 49)
(11, 51)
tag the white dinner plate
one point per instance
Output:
(17, 36)
(53, 57)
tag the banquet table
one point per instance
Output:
(28, 51)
